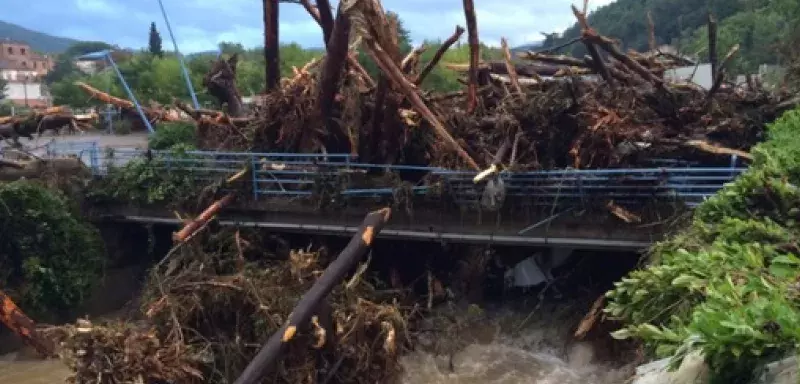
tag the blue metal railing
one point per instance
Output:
(294, 174)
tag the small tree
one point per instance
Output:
(3, 86)
(155, 41)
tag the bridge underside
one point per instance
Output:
(590, 230)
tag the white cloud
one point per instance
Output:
(200, 24)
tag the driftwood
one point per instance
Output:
(271, 45)
(220, 82)
(474, 54)
(332, 67)
(712, 45)
(439, 53)
(309, 304)
(38, 168)
(15, 320)
(209, 213)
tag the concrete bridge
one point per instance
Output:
(624, 209)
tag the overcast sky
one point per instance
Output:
(200, 24)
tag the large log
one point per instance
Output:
(24, 327)
(332, 68)
(209, 213)
(310, 302)
(439, 53)
(474, 54)
(271, 47)
(220, 81)
(37, 168)
(326, 20)
(712, 45)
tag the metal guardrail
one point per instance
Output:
(293, 174)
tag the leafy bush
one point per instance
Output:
(169, 134)
(146, 181)
(728, 285)
(49, 257)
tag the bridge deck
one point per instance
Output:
(584, 230)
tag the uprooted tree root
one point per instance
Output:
(209, 308)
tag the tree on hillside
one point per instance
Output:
(154, 45)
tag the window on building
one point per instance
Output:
(22, 51)
(34, 64)
(10, 50)
(24, 64)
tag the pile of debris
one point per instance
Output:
(214, 300)
(610, 109)
(39, 121)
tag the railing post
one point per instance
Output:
(94, 158)
(734, 160)
(254, 174)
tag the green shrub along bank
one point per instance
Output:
(144, 181)
(729, 285)
(171, 134)
(49, 257)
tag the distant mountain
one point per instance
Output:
(528, 47)
(40, 42)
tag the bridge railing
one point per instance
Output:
(292, 174)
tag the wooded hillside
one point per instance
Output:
(757, 25)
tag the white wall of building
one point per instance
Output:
(86, 66)
(18, 91)
(702, 77)
(17, 75)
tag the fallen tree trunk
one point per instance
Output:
(23, 326)
(310, 302)
(38, 168)
(439, 53)
(220, 81)
(209, 213)
(474, 55)
(271, 51)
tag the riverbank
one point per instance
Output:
(726, 285)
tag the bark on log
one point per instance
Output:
(651, 32)
(712, 45)
(512, 73)
(271, 47)
(409, 91)
(308, 305)
(325, 19)
(557, 59)
(24, 327)
(220, 82)
(527, 70)
(351, 61)
(37, 168)
(608, 45)
(191, 227)
(474, 54)
(204, 218)
(332, 68)
(439, 53)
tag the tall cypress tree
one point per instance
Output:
(155, 41)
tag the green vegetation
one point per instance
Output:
(760, 27)
(154, 42)
(158, 78)
(40, 42)
(147, 181)
(178, 134)
(49, 257)
(3, 85)
(727, 285)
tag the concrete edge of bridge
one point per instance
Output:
(401, 234)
